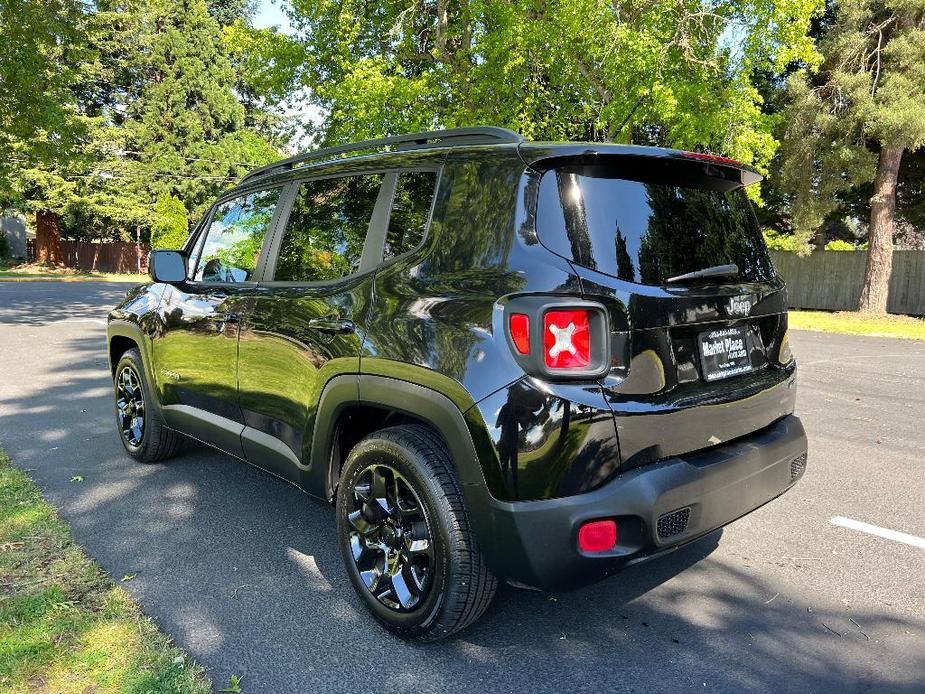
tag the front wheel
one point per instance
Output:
(141, 428)
(405, 537)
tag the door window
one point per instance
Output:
(235, 236)
(414, 194)
(327, 228)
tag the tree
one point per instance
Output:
(227, 12)
(44, 48)
(170, 227)
(652, 73)
(852, 120)
(171, 124)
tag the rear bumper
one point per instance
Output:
(535, 542)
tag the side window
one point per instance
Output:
(235, 236)
(414, 194)
(326, 229)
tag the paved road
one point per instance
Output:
(242, 571)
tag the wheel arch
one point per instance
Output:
(373, 402)
(122, 335)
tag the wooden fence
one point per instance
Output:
(114, 256)
(832, 280)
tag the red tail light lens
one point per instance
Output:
(520, 332)
(597, 536)
(566, 339)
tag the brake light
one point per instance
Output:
(566, 339)
(597, 536)
(520, 332)
(711, 157)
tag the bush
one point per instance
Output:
(5, 250)
(839, 245)
(783, 242)
(170, 227)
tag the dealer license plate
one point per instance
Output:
(724, 352)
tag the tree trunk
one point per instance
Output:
(882, 219)
(138, 248)
(48, 238)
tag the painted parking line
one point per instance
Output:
(894, 535)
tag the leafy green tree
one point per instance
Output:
(852, 120)
(170, 226)
(41, 125)
(673, 72)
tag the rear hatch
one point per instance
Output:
(669, 243)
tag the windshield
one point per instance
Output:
(652, 221)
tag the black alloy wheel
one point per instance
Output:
(390, 538)
(405, 535)
(130, 406)
(141, 426)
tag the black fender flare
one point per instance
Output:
(431, 407)
(122, 327)
(409, 398)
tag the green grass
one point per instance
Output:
(39, 273)
(65, 627)
(859, 324)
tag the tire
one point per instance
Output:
(457, 585)
(151, 441)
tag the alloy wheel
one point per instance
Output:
(130, 406)
(390, 538)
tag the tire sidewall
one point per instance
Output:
(406, 462)
(132, 358)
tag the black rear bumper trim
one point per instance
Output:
(535, 542)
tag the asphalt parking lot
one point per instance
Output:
(242, 571)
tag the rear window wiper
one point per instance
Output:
(707, 272)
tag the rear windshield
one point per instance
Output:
(647, 221)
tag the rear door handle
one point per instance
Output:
(335, 326)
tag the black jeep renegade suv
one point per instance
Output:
(500, 359)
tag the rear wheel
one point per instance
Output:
(141, 428)
(405, 537)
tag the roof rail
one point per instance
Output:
(482, 135)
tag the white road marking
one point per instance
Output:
(894, 535)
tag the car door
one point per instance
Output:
(195, 349)
(307, 318)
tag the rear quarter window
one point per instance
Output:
(414, 195)
(644, 223)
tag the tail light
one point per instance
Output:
(558, 339)
(520, 332)
(567, 340)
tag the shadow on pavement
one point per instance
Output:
(45, 302)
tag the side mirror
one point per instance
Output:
(167, 266)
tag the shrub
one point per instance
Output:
(784, 242)
(5, 250)
(170, 227)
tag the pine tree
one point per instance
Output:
(172, 124)
(853, 119)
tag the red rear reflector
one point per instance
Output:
(597, 536)
(711, 157)
(520, 332)
(566, 339)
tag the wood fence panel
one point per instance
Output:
(832, 280)
(114, 256)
